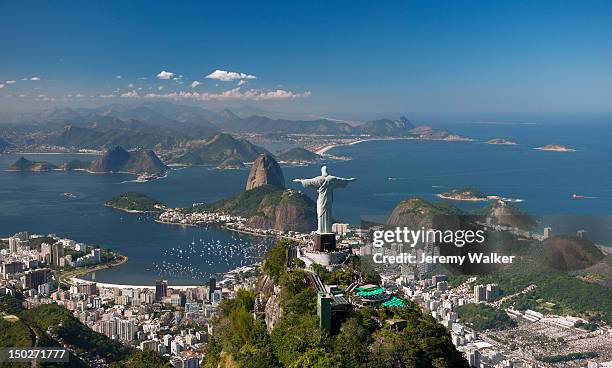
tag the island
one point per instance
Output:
(23, 164)
(556, 148)
(465, 194)
(143, 163)
(501, 141)
(298, 155)
(135, 202)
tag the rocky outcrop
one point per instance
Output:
(265, 170)
(273, 312)
(137, 162)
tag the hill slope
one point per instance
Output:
(139, 162)
(219, 149)
(269, 207)
(299, 155)
(23, 164)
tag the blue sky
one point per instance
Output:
(313, 56)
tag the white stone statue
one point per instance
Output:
(325, 185)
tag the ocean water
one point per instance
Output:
(543, 182)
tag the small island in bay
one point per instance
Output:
(135, 202)
(465, 194)
(501, 141)
(23, 164)
(298, 155)
(556, 148)
(143, 163)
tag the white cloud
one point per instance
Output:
(118, 77)
(79, 95)
(165, 75)
(232, 94)
(194, 84)
(130, 94)
(242, 82)
(274, 95)
(23, 95)
(34, 78)
(131, 85)
(10, 82)
(160, 88)
(107, 96)
(1, 85)
(226, 76)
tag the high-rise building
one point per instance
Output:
(547, 232)
(480, 293)
(582, 234)
(13, 244)
(492, 291)
(87, 288)
(57, 252)
(9, 268)
(212, 286)
(473, 356)
(126, 330)
(97, 257)
(44, 289)
(149, 345)
(340, 229)
(33, 278)
(437, 278)
(161, 289)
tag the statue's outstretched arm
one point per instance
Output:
(341, 182)
(314, 182)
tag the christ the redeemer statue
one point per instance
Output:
(325, 185)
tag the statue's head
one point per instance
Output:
(324, 170)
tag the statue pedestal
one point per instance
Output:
(325, 242)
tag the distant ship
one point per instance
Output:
(576, 196)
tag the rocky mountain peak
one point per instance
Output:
(265, 170)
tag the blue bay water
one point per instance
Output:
(544, 181)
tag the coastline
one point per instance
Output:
(488, 198)
(68, 277)
(322, 151)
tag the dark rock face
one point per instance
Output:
(265, 170)
(136, 162)
(111, 160)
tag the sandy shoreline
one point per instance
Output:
(322, 151)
